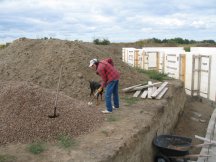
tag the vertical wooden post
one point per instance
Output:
(183, 67)
(136, 58)
(193, 70)
(143, 60)
(199, 74)
(158, 61)
(209, 78)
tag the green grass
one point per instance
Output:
(2, 46)
(7, 158)
(112, 118)
(66, 142)
(130, 100)
(187, 49)
(36, 148)
(153, 74)
(104, 132)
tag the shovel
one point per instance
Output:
(90, 102)
(56, 98)
(189, 156)
(183, 148)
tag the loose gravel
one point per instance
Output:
(25, 108)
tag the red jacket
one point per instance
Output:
(107, 71)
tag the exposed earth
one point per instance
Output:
(28, 80)
(194, 121)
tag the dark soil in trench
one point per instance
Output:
(194, 121)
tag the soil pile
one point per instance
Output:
(39, 61)
(25, 108)
(29, 71)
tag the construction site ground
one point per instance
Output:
(194, 121)
(29, 71)
(133, 113)
(116, 129)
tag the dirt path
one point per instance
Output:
(194, 121)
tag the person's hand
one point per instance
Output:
(99, 90)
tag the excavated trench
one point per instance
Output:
(130, 139)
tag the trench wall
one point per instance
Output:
(139, 147)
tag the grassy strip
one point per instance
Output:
(130, 100)
(153, 74)
(7, 158)
(36, 148)
(66, 142)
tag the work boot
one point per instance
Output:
(115, 108)
(106, 112)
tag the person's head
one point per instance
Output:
(93, 63)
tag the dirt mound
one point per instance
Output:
(39, 61)
(25, 108)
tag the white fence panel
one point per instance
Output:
(131, 57)
(161, 62)
(189, 67)
(152, 60)
(124, 54)
(172, 65)
(195, 68)
(204, 77)
(158, 62)
(207, 73)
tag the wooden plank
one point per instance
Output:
(136, 94)
(144, 94)
(143, 60)
(154, 89)
(146, 86)
(159, 90)
(158, 61)
(129, 88)
(162, 93)
(183, 67)
(149, 89)
(136, 58)
(205, 139)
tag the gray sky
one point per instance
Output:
(116, 20)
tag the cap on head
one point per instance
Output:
(92, 62)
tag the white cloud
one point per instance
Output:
(117, 20)
(198, 24)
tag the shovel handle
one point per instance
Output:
(190, 156)
(182, 148)
(56, 98)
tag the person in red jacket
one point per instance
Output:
(110, 79)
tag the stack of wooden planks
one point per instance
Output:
(148, 90)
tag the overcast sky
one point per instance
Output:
(116, 20)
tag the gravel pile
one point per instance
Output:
(28, 66)
(39, 62)
(24, 114)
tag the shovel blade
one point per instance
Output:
(53, 116)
